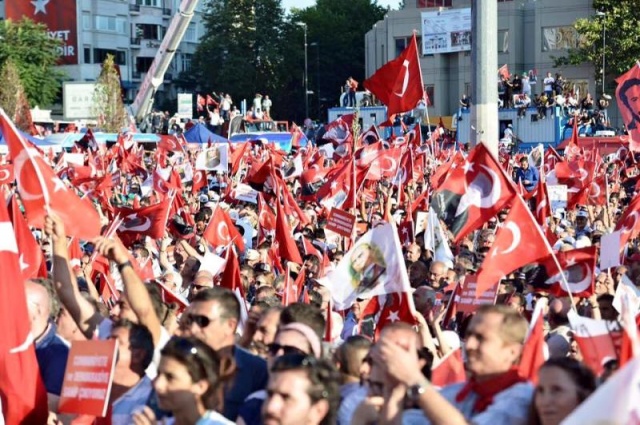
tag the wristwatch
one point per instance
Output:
(415, 391)
(123, 265)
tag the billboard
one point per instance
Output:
(59, 17)
(77, 100)
(446, 31)
(185, 105)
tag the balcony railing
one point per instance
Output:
(135, 41)
(166, 11)
(134, 8)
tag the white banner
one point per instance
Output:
(446, 31)
(185, 105)
(215, 158)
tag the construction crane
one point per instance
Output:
(143, 102)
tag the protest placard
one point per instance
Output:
(468, 302)
(88, 377)
(341, 222)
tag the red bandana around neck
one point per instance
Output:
(487, 389)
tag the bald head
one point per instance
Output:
(39, 306)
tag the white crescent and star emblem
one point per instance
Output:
(136, 224)
(223, 232)
(405, 81)
(24, 346)
(573, 272)
(628, 229)
(390, 169)
(540, 206)
(594, 190)
(4, 175)
(197, 178)
(515, 233)
(19, 162)
(476, 193)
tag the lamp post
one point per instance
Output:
(604, 45)
(316, 44)
(306, 79)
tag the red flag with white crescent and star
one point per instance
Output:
(6, 174)
(473, 193)
(578, 266)
(41, 190)
(398, 83)
(22, 393)
(628, 223)
(518, 242)
(221, 231)
(31, 256)
(150, 221)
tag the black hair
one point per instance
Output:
(140, 338)
(307, 314)
(230, 306)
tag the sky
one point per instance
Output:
(301, 4)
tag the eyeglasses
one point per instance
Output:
(293, 361)
(200, 320)
(287, 350)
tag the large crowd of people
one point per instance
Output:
(223, 313)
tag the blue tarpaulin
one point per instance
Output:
(200, 134)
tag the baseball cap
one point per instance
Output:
(582, 213)
(203, 198)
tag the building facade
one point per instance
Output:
(130, 30)
(530, 34)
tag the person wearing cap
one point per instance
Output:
(527, 175)
(582, 227)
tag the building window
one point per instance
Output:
(86, 21)
(430, 90)
(152, 3)
(149, 31)
(503, 41)
(434, 3)
(143, 64)
(87, 55)
(120, 56)
(403, 42)
(186, 62)
(560, 38)
(191, 34)
(111, 23)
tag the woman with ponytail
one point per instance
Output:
(190, 382)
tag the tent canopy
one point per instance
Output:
(200, 134)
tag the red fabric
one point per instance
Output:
(629, 115)
(398, 84)
(40, 189)
(504, 71)
(628, 223)
(150, 221)
(487, 389)
(199, 181)
(328, 329)
(231, 278)
(518, 242)
(533, 352)
(6, 174)
(450, 370)
(221, 231)
(287, 248)
(24, 398)
(170, 144)
(31, 257)
(396, 308)
(578, 265)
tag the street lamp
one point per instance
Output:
(306, 80)
(316, 44)
(604, 45)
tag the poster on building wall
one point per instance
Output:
(77, 100)
(446, 31)
(60, 18)
(185, 105)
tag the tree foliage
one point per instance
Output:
(251, 47)
(34, 55)
(622, 33)
(107, 98)
(12, 97)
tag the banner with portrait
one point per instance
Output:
(215, 158)
(628, 97)
(373, 266)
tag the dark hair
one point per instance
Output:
(312, 259)
(202, 362)
(200, 216)
(230, 306)
(140, 338)
(315, 298)
(347, 354)
(306, 314)
(324, 380)
(624, 97)
(605, 297)
(582, 377)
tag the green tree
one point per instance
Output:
(12, 97)
(107, 98)
(35, 56)
(242, 49)
(620, 22)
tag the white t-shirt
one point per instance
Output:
(211, 417)
(548, 83)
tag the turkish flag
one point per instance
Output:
(150, 221)
(543, 206)
(170, 144)
(287, 248)
(448, 370)
(368, 137)
(396, 308)
(405, 232)
(23, 396)
(6, 174)
(367, 154)
(439, 176)
(598, 340)
(628, 89)
(398, 84)
(532, 356)
(404, 175)
(578, 266)
(551, 158)
(199, 181)
(339, 130)
(385, 164)
(40, 189)
(628, 223)
(292, 289)
(518, 242)
(473, 193)
(221, 231)
(334, 193)
(31, 256)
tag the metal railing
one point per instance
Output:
(134, 7)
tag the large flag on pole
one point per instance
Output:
(398, 84)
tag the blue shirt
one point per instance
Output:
(52, 352)
(530, 174)
(251, 376)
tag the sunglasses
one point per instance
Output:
(293, 361)
(200, 320)
(287, 350)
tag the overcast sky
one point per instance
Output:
(301, 4)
